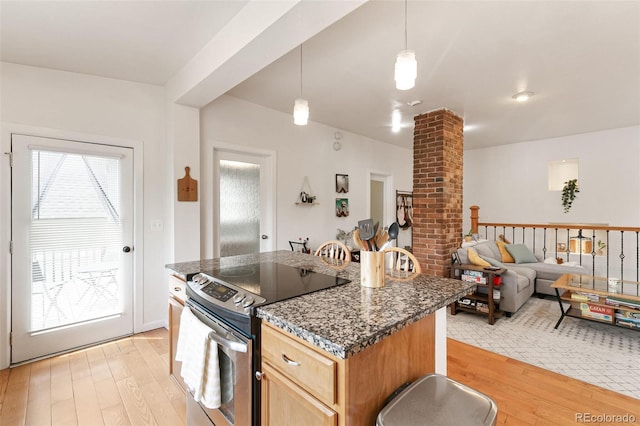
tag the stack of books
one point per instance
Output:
(619, 301)
(628, 319)
(473, 276)
(581, 296)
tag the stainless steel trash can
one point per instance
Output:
(437, 400)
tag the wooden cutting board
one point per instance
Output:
(187, 187)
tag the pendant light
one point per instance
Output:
(396, 120)
(406, 69)
(301, 106)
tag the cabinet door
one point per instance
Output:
(175, 310)
(311, 371)
(284, 403)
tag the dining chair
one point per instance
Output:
(403, 264)
(299, 246)
(334, 251)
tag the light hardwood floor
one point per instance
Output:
(127, 383)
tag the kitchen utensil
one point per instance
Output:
(376, 235)
(394, 229)
(357, 241)
(366, 231)
(381, 238)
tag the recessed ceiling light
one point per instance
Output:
(414, 103)
(522, 96)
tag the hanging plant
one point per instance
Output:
(569, 191)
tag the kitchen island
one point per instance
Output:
(360, 343)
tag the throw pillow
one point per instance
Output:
(475, 259)
(506, 256)
(493, 262)
(521, 253)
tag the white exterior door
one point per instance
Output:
(243, 203)
(72, 235)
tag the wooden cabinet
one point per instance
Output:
(176, 305)
(485, 302)
(299, 383)
(313, 371)
(302, 384)
(285, 403)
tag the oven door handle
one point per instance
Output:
(229, 344)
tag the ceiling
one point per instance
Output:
(142, 41)
(580, 58)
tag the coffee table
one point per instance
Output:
(595, 299)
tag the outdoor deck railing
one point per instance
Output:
(606, 251)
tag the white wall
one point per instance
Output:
(182, 230)
(509, 182)
(86, 105)
(301, 151)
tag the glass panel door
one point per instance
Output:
(239, 208)
(243, 203)
(71, 282)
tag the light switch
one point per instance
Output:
(156, 225)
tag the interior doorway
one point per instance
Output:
(381, 198)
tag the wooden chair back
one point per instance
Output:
(335, 251)
(403, 264)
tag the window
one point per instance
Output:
(561, 171)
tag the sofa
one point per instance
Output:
(526, 273)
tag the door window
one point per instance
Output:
(239, 208)
(75, 234)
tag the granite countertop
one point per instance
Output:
(346, 319)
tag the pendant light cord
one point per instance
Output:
(301, 71)
(405, 24)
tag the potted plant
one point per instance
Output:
(600, 247)
(569, 191)
(468, 237)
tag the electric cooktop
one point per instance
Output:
(274, 281)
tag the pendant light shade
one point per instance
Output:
(301, 112)
(406, 70)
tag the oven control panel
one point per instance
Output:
(219, 291)
(223, 294)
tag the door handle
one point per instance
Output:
(229, 344)
(126, 249)
(290, 361)
(264, 236)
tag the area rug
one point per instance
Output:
(599, 354)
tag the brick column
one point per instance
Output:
(437, 189)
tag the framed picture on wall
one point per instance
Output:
(342, 207)
(404, 209)
(342, 184)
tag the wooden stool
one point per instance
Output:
(437, 400)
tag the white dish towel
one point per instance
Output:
(199, 357)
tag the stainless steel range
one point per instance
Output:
(225, 299)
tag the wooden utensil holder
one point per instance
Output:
(372, 269)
